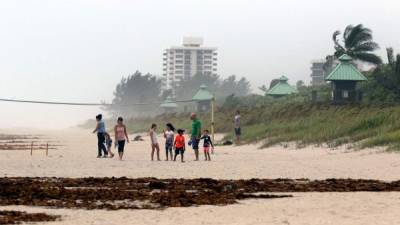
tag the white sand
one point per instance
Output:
(303, 209)
(78, 159)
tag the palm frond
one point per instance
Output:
(334, 35)
(347, 31)
(357, 35)
(367, 57)
(390, 56)
(361, 37)
(339, 49)
(365, 47)
(335, 39)
(397, 70)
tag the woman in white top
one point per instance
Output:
(169, 140)
(154, 142)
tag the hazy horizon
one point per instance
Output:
(77, 50)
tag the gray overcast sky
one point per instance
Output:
(78, 50)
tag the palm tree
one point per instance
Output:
(357, 43)
(394, 62)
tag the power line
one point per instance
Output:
(85, 103)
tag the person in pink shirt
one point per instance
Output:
(121, 136)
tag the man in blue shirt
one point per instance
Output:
(101, 132)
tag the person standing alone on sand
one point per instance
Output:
(169, 140)
(154, 143)
(238, 130)
(196, 134)
(121, 136)
(101, 131)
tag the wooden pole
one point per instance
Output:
(31, 148)
(47, 149)
(212, 120)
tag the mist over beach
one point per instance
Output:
(199, 112)
(79, 50)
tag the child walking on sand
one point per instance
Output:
(207, 144)
(179, 145)
(109, 142)
(169, 140)
(154, 142)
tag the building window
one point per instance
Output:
(345, 94)
(179, 61)
(178, 72)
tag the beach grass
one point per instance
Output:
(362, 125)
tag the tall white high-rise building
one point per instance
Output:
(181, 62)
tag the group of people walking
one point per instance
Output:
(175, 144)
(104, 140)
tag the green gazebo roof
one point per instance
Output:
(169, 103)
(281, 88)
(345, 71)
(203, 94)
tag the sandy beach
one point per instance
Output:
(77, 158)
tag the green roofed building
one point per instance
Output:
(344, 80)
(203, 98)
(282, 88)
(169, 105)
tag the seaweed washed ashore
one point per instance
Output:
(152, 193)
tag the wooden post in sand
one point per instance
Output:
(212, 122)
(47, 149)
(31, 148)
(212, 119)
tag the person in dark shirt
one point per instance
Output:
(207, 143)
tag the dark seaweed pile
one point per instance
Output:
(152, 193)
(17, 217)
